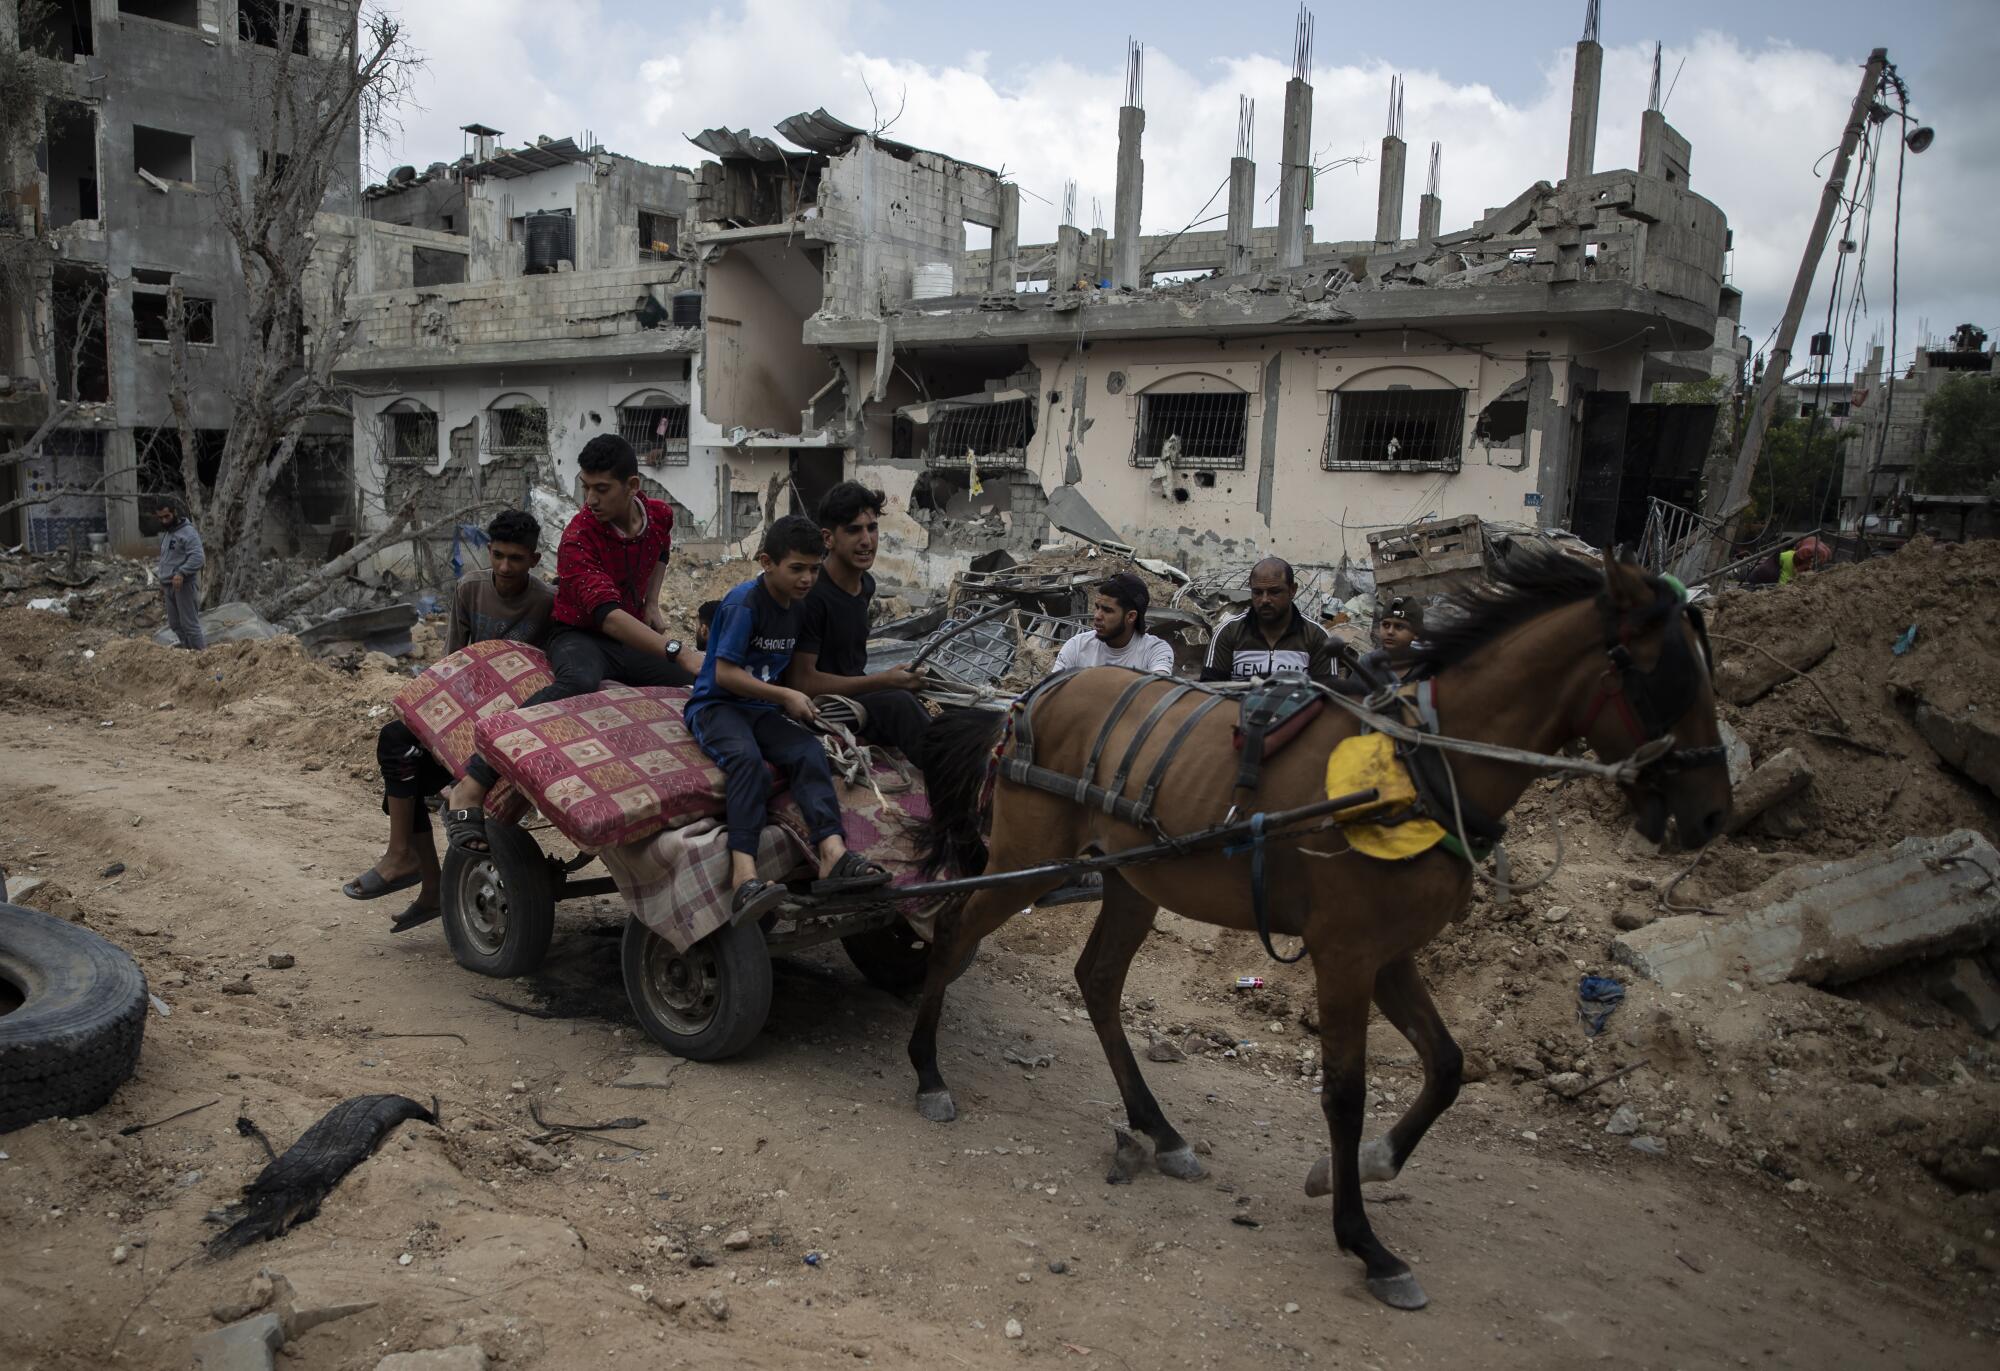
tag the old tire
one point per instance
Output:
(894, 959)
(706, 1004)
(74, 1036)
(499, 906)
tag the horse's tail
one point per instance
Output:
(957, 748)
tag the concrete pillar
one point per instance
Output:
(1295, 173)
(1429, 210)
(1242, 214)
(1098, 259)
(1389, 194)
(1003, 261)
(1583, 109)
(1069, 257)
(1131, 191)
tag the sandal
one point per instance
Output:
(369, 885)
(465, 829)
(852, 872)
(754, 898)
(416, 916)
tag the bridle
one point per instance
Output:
(1649, 701)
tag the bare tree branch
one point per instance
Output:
(397, 531)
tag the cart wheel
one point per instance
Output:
(707, 1003)
(499, 906)
(894, 958)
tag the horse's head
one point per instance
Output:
(1655, 699)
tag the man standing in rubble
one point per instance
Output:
(181, 561)
(1271, 636)
(1118, 634)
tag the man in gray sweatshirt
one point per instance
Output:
(181, 562)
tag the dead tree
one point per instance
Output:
(318, 110)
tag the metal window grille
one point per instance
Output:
(410, 435)
(1193, 430)
(1395, 430)
(997, 434)
(659, 434)
(524, 428)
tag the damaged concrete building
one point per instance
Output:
(108, 205)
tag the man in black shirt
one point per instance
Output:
(1272, 635)
(832, 653)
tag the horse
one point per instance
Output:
(1552, 649)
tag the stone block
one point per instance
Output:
(1751, 675)
(1784, 777)
(1830, 922)
(247, 1346)
(1966, 741)
(1970, 991)
(464, 1357)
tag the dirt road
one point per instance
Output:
(1543, 1241)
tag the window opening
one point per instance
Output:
(82, 372)
(523, 428)
(149, 317)
(1192, 429)
(410, 435)
(996, 433)
(167, 155)
(182, 12)
(266, 23)
(72, 134)
(436, 267)
(321, 478)
(658, 234)
(1399, 429)
(658, 432)
(58, 29)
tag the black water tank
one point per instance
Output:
(687, 308)
(551, 238)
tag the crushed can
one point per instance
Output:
(1249, 982)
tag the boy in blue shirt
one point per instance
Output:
(743, 717)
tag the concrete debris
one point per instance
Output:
(649, 1073)
(465, 1357)
(251, 1345)
(1736, 752)
(1782, 778)
(234, 622)
(1970, 991)
(1624, 1122)
(1964, 740)
(1834, 922)
(1750, 675)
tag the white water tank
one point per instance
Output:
(931, 281)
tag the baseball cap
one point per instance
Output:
(1406, 608)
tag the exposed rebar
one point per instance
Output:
(1135, 73)
(1246, 127)
(1069, 202)
(1591, 16)
(1302, 45)
(1395, 107)
(1437, 154)
(1653, 96)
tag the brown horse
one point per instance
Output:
(1554, 650)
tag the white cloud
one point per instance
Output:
(1758, 118)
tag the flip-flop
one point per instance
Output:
(754, 897)
(852, 872)
(465, 829)
(369, 885)
(416, 916)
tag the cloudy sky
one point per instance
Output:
(1760, 87)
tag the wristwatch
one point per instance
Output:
(673, 647)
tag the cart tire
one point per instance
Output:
(706, 1004)
(894, 959)
(75, 1034)
(499, 906)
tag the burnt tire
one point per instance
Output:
(75, 1036)
(705, 1004)
(499, 906)
(894, 959)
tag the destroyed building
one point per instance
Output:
(1879, 465)
(110, 208)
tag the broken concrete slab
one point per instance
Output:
(1782, 778)
(464, 1357)
(1736, 752)
(247, 1346)
(234, 622)
(1831, 922)
(1970, 991)
(649, 1073)
(1965, 741)
(1750, 675)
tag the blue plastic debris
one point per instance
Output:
(1906, 642)
(1596, 998)
(812, 1259)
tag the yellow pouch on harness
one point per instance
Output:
(1368, 761)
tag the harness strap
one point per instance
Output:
(1086, 782)
(1180, 735)
(1260, 892)
(1145, 731)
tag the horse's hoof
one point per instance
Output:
(1181, 1163)
(1398, 1292)
(1378, 1162)
(936, 1105)
(1319, 1180)
(1127, 1157)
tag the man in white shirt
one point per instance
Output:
(1118, 636)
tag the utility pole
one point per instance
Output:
(1731, 505)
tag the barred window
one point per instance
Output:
(657, 432)
(996, 433)
(521, 428)
(410, 435)
(1399, 429)
(1197, 430)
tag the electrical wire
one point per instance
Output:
(1895, 289)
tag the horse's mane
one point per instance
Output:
(1531, 579)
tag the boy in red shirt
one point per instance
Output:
(608, 624)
